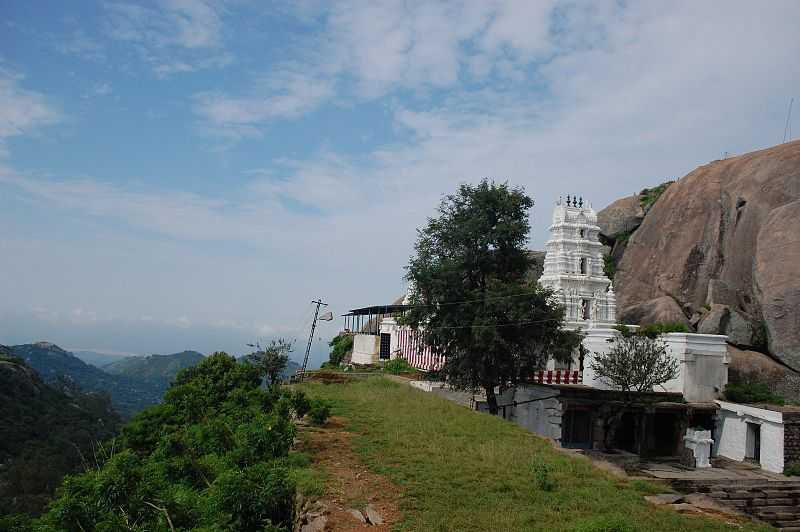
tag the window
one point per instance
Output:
(585, 309)
(583, 266)
(582, 233)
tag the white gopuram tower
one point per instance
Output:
(573, 266)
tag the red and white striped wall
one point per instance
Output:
(416, 352)
(410, 345)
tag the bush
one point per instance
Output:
(398, 365)
(212, 457)
(652, 330)
(300, 403)
(340, 345)
(752, 392)
(792, 470)
(320, 412)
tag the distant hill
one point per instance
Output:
(128, 395)
(98, 359)
(45, 432)
(154, 367)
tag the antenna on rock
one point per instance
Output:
(787, 129)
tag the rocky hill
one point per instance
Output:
(717, 250)
(45, 432)
(129, 395)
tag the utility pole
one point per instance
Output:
(319, 304)
(787, 130)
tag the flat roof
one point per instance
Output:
(377, 309)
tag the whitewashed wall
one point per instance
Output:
(702, 359)
(730, 436)
(366, 348)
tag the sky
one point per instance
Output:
(190, 174)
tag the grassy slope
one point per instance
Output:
(460, 470)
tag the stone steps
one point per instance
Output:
(774, 502)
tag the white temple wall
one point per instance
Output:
(730, 436)
(702, 359)
(366, 348)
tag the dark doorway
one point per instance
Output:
(625, 435)
(386, 342)
(753, 443)
(666, 434)
(576, 429)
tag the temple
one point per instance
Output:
(573, 266)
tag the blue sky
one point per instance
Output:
(191, 173)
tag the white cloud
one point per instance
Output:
(286, 93)
(22, 111)
(173, 37)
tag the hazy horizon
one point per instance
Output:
(191, 174)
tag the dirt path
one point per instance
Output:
(352, 486)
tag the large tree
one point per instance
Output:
(472, 297)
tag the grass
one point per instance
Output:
(310, 482)
(464, 471)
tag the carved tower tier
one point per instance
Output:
(573, 266)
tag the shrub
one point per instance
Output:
(649, 196)
(398, 365)
(300, 403)
(340, 345)
(212, 457)
(319, 412)
(792, 470)
(656, 329)
(752, 392)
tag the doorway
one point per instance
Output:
(386, 342)
(752, 449)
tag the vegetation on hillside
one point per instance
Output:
(45, 433)
(649, 196)
(472, 296)
(752, 393)
(271, 361)
(154, 367)
(464, 471)
(214, 456)
(340, 345)
(128, 394)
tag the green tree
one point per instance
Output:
(471, 296)
(340, 345)
(635, 363)
(271, 360)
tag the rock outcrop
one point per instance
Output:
(722, 244)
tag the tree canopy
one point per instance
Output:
(271, 360)
(635, 363)
(472, 298)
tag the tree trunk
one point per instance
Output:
(491, 399)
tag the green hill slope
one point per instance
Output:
(154, 367)
(129, 395)
(44, 434)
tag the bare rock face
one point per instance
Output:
(622, 216)
(662, 309)
(777, 280)
(741, 330)
(726, 233)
